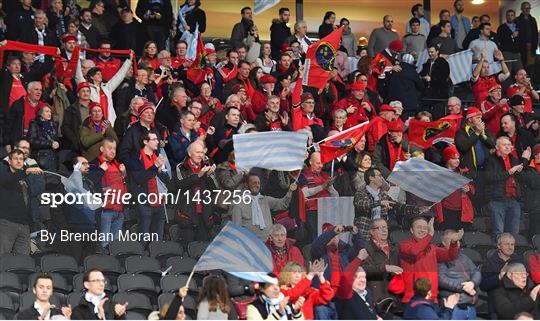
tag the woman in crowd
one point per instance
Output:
(265, 59)
(43, 138)
(210, 105)
(214, 302)
(150, 51)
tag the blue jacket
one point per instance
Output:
(423, 309)
(347, 253)
(79, 217)
(178, 143)
(454, 23)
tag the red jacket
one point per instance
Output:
(492, 113)
(293, 254)
(313, 297)
(379, 128)
(534, 267)
(419, 258)
(113, 179)
(258, 101)
(345, 290)
(514, 89)
(360, 115)
(467, 209)
(481, 86)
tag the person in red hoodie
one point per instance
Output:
(106, 172)
(418, 257)
(303, 108)
(296, 283)
(456, 209)
(358, 109)
(260, 97)
(282, 248)
(379, 126)
(493, 108)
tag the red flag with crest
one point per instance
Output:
(425, 134)
(341, 143)
(320, 59)
(198, 71)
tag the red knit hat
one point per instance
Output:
(144, 107)
(236, 88)
(359, 85)
(396, 45)
(268, 79)
(82, 85)
(306, 96)
(449, 153)
(209, 51)
(396, 126)
(387, 108)
(67, 38)
(536, 149)
(473, 112)
(494, 87)
(326, 226)
(93, 104)
(285, 47)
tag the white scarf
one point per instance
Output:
(257, 217)
(94, 299)
(272, 305)
(41, 42)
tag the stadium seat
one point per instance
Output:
(11, 285)
(138, 302)
(133, 315)
(162, 250)
(189, 303)
(196, 249)
(165, 298)
(522, 244)
(139, 283)
(74, 298)
(78, 284)
(180, 264)
(481, 242)
(122, 249)
(173, 232)
(144, 265)
(536, 241)
(64, 265)
(28, 298)
(171, 283)
(473, 255)
(7, 307)
(399, 236)
(109, 265)
(482, 224)
(60, 284)
(22, 265)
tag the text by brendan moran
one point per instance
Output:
(95, 236)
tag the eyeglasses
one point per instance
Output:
(153, 139)
(99, 281)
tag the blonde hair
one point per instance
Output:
(286, 274)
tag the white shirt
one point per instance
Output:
(40, 311)
(486, 45)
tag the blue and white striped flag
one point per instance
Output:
(460, 66)
(274, 150)
(263, 5)
(422, 59)
(426, 180)
(239, 252)
(192, 39)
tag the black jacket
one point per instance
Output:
(505, 40)
(465, 140)
(71, 126)
(440, 76)
(15, 121)
(279, 32)
(128, 36)
(531, 190)
(91, 35)
(14, 197)
(521, 24)
(509, 300)
(496, 176)
(17, 19)
(325, 29)
(125, 95)
(375, 267)
(165, 8)
(405, 86)
(194, 17)
(132, 143)
(355, 308)
(32, 314)
(524, 139)
(30, 36)
(85, 311)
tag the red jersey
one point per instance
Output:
(481, 86)
(514, 89)
(108, 68)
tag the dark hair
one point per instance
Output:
(18, 143)
(475, 17)
(15, 152)
(40, 277)
(240, 47)
(483, 25)
(86, 275)
(92, 72)
(12, 59)
(283, 54)
(146, 45)
(485, 16)
(443, 11)
(282, 10)
(214, 290)
(185, 113)
(83, 11)
(328, 14)
(456, 1)
(197, 3)
(230, 51)
(105, 41)
(417, 218)
(413, 21)
(107, 140)
(253, 77)
(343, 20)
(512, 117)
(242, 62)
(507, 11)
(369, 174)
(179, 42)
(414, 8)
(244, 10)
(146, 136)
(443, 23)
(422, 286)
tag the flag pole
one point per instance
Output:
(189, 278)
(332, 169)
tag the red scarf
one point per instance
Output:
(195, 169)
(149, 161)
(510, 185)
(383, 245)
(233, 167)
(115, 52)
(396, 153)
(104, 102)
(30, 112)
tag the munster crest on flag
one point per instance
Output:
(320, 59)
(341, 143)
(425, 134)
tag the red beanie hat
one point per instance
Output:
(359, 85)
(144, 107)
(93, 104)
(268, 79)
(396, 126)
(67, 38)
(326, 226)
(473, 112)
(387, 108)
(82, 85)
(306, 96)
(396, 45)
(236, 88)
(449, 153)
(536, 149)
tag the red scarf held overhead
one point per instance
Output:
(149, 161)
(396, 153)
(30, 112)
